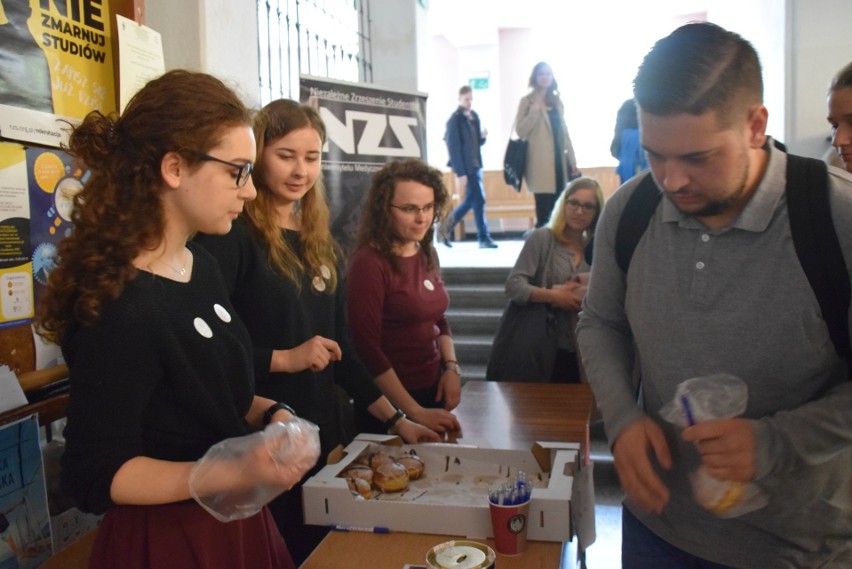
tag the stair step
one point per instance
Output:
(472, 372)
(475, 275)
(473, 349)
(468, 296)
(475, 321)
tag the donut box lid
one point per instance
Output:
(451, 496)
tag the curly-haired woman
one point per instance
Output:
(396, 297)
(160, 365)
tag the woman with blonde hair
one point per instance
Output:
(840, 115)
(540, 121)
(160, 367)
(397, 298)
(282, 269)
(551, 271)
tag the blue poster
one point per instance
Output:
(25, 540)
(53, 179)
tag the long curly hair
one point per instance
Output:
(277, 119)
(119, 214)
(375, 228)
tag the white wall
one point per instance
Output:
(215, 36)
(820, 44)
(394, 34)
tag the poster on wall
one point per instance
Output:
(25, 535)
(54, 178)
(56, 65)
(366, 126)
(16, 280)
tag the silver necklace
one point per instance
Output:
(181, 271)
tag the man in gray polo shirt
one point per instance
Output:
(715, 286)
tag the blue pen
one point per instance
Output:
(684, 400)
(365, 529)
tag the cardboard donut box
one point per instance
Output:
(451, 496)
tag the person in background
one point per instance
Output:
(397, 299)
(540, 120)
(625, 145)
(160, 364)
(715, 286)
(464, 137)
(840, 115)
(570, 229)
(282, 270)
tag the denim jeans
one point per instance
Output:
(643, 549)
(474, 198)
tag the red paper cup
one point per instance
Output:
(510, 527)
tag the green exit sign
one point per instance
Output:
(478, 83)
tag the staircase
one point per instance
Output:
(477, 300)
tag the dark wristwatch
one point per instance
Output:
(274, 408)
(392, 424)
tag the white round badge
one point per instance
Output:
(319, 284)
(223, 314)
(202, 328)
(428, 284)
(325, 272)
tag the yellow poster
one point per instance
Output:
(56, 64)
(16, 274)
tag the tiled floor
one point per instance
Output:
(606, 551)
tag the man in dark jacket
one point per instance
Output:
(464, 136)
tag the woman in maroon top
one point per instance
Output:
(397, 299)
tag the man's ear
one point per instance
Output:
(172, 167)
(757, 121)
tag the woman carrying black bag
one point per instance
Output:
(550, 160)
(535, 336)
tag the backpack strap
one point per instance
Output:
(634, 220)
(817, 246)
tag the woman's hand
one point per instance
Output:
(439, 420)
(568, 296)
(412, 432)
(449, 389)
(315, 355)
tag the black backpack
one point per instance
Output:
(812, 228)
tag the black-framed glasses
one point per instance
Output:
(414, 210)
(243, 170)
(586, 207)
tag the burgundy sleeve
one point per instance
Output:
(366, 288)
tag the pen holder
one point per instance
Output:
(510, 527)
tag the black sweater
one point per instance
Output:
(281, 316)
(163, 373)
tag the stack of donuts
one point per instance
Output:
(386, 471)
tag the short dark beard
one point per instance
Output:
(719, 207)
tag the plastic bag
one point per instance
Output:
(705, 398)
(237, 477)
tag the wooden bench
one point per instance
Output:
(503, 202)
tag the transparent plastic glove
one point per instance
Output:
(705, 398)
(237, 477)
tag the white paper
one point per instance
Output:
(11, 394)
(583, 503)
(140, 57)
(47, 354)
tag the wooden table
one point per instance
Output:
(506, 415)
(516, 415)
